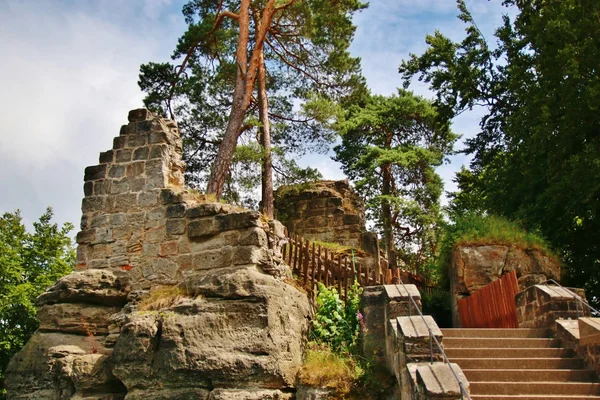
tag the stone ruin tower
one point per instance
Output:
(173, 297)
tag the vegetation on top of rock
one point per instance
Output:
(163, 297)
(479, 230)
(29, 263)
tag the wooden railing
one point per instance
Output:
(313, 264)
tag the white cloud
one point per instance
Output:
(68, 77)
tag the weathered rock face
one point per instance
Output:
(474, 267)
(328, 211)
(235, 328)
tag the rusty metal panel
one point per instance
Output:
(492, 306)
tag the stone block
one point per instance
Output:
(137, 140)
(137, 184)
(106, 157)
(118, 219)
(156, 234)
(159, 151)
(165, 266)
(415, 328)
(148, 199)
(102, 187)
(94, 203)
(140, 114)
(119, 142)
(123, 156)
(124, 202)
(176, 210)
(122, 232)
(218, 258)
(86, 236)
(204, 210)
(253, 237)
(249, 255)
(135, 168)
(141, 154)
(100, 250)
(168, 196)
(155, 214)
(202, 228)
(240, 220)
(116, 171)
(437, 381)
(88, 188)
(185, 261)
(169, 248)
(119, 187)
(95, 172)
(176, 226)
(157, 137)
(589, 331)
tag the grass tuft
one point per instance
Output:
(162, 298)
(325, 369)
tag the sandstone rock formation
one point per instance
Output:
(476, 266)
(230, 329)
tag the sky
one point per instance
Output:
(69, 70)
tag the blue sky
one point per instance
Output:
(68, 77)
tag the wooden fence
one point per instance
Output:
(492, 306)
(313, 264)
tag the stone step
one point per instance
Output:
(543, 388)
(518, 363)
(530, 375)
(533, 397)
(527, 352)
(495, 333)
(474, 342)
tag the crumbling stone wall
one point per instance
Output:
(328, 211)
(233, 329)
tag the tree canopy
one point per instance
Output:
(29, 263)
(215, 92)
(390, 148)
(537, 156)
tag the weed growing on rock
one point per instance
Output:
(162, 298)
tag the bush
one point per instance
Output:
(337, 324)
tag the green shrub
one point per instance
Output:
(337, 324)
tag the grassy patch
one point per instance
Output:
(325, 369)
(162, 298)
(479, 230)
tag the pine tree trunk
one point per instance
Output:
(386, 209)
(265, 140)
(220, 168)
(242, 94)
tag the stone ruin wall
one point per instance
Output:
(327, 211)
(234, 329)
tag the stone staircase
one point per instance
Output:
(523, 364)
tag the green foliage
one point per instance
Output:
(473, 229)
(537, 155)
(29, 263)
(390, 149)
(438, 304)
(337, 324)
(309, 72)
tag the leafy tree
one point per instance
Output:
(536, 157)
(390, 148)
(29, 263)
(293, 52)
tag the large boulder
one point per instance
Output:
(476, 266)
(238, 329)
